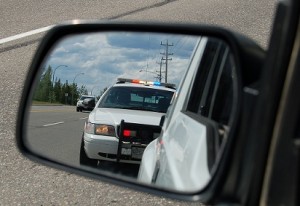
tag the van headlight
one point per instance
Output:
(99, 129)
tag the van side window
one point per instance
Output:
(212, 95)
(212, 92)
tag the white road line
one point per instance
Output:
(22, 35)
(83, 118)
(47, 125)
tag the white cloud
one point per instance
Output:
(103, 63)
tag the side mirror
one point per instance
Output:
(180, 152)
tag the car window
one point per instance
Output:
(146, 99)
(211, 101)
(84, 97)
(212, 92)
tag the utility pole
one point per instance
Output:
(167, 54)
(159, 76)
(160, 65)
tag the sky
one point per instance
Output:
(96, 60)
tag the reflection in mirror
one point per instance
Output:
(100, 97)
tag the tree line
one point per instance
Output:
(56, 91)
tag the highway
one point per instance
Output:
(55, 132)
(23, 182)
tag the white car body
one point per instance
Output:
(107, 146)
(178, 158)
(93, 144)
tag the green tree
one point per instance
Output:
(82, 90)
(74, 94)
(58, 91)
(66, 89)
(44, 88)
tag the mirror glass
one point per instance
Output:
(150, 107)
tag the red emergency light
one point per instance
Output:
(129, 133)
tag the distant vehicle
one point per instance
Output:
(88, 104)
(79, 105)
(131, 102)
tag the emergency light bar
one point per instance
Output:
(137, 81)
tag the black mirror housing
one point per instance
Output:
(249, 60)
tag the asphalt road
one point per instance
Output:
(55, 132)
(23, 182)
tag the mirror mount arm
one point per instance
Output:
(120, 140)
